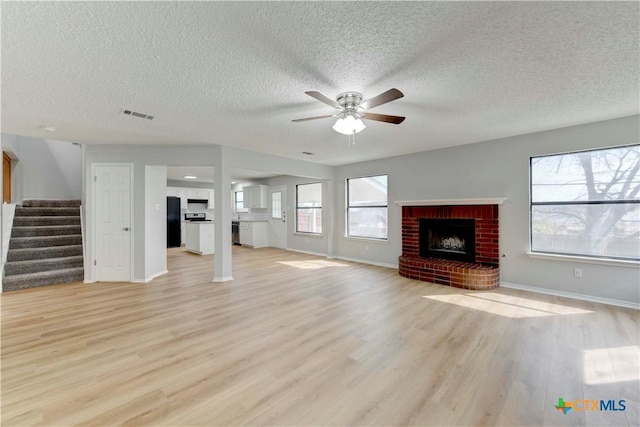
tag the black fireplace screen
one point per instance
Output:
(453, 239)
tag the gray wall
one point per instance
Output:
(498, 168)
(45, 169)
(305, 242)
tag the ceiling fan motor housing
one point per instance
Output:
(350, 102)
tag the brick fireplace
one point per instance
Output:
(478, 270)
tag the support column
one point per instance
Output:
(222, 270)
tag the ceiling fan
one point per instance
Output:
(351, 110)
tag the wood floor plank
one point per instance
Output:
(302, 340)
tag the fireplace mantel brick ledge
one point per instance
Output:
(482, 274)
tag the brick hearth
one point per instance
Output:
(484, 273)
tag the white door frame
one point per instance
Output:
(94, 212)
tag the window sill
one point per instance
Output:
(314, 235)
(366, 239)
(586, 260)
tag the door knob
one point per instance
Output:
(125, 229)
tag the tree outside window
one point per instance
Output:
(587, 203)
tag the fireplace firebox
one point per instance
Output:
(453, 239)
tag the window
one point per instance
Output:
(367, 207)
(587, 203)
(276, 205)
(309, 208)
(239, 201)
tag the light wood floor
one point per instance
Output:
(301, 340)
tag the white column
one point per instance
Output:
(222, 270)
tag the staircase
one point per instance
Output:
(45, 246)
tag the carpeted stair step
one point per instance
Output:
(41, 253)
(37, 265)
(51, 203)
(47, 212)
(30, 221)
(43, 278)
(43, 230)
(44, 241)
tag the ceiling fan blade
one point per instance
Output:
(383, 98)
(320, 97)
(396, 120)
(313, 118)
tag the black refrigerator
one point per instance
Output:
(173, 222)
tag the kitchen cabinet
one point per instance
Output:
(254, 233)
(210, 203)
(192, 193)
(182, 193)
(255, 196)
(200, 237)
(172, 192)
(185, 193)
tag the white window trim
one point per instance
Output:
(346, 211)
(295, 228)
(570, 257)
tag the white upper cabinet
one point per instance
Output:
(255, 196)
(186, 193)
(210, 198)
(172, 192)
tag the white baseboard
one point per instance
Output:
(363, 261)
(161, 273)
(308, 252)
(582, 297)
(150, 278)
(222, 279)
(366, 261)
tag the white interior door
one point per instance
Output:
(112, 189)
(278, 217)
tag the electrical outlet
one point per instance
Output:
(577, 272)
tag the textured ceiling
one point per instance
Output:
(235, 73)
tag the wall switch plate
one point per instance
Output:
(577, 272)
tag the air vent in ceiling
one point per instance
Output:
(136, 114)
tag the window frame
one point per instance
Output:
(348, 208)
(532, 204)
(307, 207)
(235, 202)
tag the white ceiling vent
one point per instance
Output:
(135, 113)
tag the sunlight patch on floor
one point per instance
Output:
(493, 307)
(611, 365)
(312, 264)
(530, 303)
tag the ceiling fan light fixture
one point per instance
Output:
(349, 125)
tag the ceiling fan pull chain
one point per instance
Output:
(351, 140)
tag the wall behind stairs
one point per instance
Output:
(45, 169)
